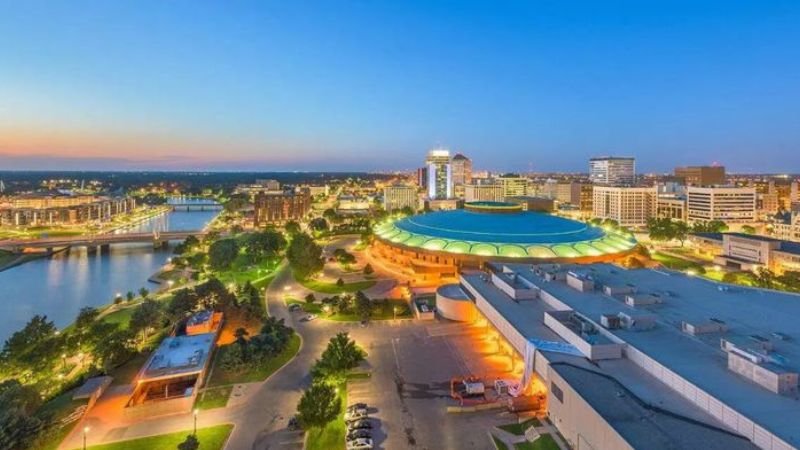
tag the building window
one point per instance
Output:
(557, 392)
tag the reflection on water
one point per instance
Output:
(60, 286)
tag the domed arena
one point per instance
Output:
(488, 231)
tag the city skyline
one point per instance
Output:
(371, 87)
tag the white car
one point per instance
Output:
(310, 317)
(360, 444)
(352, 416)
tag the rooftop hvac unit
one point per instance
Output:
(610, 321)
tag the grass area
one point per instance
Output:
(121, 316)
(125, 373)
(384, 310)
(332, 435)
(332, 288)
(214, 397)
(6, 257)
(241, 272)
(211, 438)
(545, 442)
(57, 409)
(519, 428)
(499, 444)
(675, 263)
(222, 377)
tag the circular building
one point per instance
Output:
(454, 304)
(440, 243)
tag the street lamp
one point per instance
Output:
(196, 411)
(64, 359)
(85, 432)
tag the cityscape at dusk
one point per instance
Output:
(416, 225)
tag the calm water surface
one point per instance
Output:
(60, 286)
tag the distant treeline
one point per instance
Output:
(187, 182)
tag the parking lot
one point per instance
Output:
(412, 363)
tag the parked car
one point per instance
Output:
(351, 416)
(359, 434)
(311, 317)
(294, 307)
(362, 424)
(360, 444)
(294, 424)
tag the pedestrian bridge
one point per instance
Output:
(93, 242)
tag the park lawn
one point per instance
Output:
(674, 263)
(214, 397)
(332, 288)
(545, 442)
(499, 444)
(331, 436)
(125, 373)
(222, 377)
(519, 428)
(241, 272)
(121, 317)
(211, 438)
(57, 408)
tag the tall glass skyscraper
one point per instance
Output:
(440, 176)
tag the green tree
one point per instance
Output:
(86, 316)
(236, 202)
(292, 228)
(35, 332)
(680, 231)
(305, 256)
(407, 211)
(144, 292)
(340, 282)
(222, 253)
(18, 423)
(145, 317)
(183, 303)
(330, 215)
(264, 244)
(112, 345)
(748, 229)
(339, 356)
(368, 270)
(190, 443)
(319, 224)
(363, 305)
(310, 298)
(764, 278)
(130, 296)
(318, 406)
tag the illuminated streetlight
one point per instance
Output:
(170, 283)
(196, 411)
(85, 432)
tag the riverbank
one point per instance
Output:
(10, 260)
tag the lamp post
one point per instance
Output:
(85, 432)
(64, 360)
(195, 421)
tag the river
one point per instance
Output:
(60, 286)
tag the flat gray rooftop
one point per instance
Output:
(699, 359)
(640, 424)
(179, 355)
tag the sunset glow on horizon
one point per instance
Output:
(363, 86)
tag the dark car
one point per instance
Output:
(294, 424)
(359, 434)
(363, 424)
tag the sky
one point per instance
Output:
(372, 85)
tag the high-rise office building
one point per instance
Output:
(483, 193)
(628, 206)
(399, 196)
(701, 175)
(513, 185)
(273, 207)
(462, 173)
(440, 177)
(612, 170)
(725, 203)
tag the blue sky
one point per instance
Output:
(372, 85)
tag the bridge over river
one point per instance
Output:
(97, 241)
